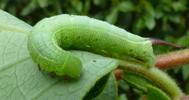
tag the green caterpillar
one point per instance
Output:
(52, 37)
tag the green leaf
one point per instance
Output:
(112, 17)
(43, 3)
(110, 90)
(12, 24)
(139, 25)
(146, 86)
(179, 6)
(30, 7)
(185, 71)
(3, 4)
(22, 80)
(183, 41)
(149, 9)
(126, 6)
(78, 6)
(176, 19)
(149, 15)
(136, 81)
(186, 87)
(122, 97)
(158, 14)
(155, 93)
(149, 22)
(99, 2)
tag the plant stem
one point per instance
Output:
(157, 77)
(166, 61)
(160, 79)
(162, 42)
(169, 60)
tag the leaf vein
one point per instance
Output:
(7, 66)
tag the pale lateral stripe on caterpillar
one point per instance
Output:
(52, 37)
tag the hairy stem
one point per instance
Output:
(165, 61)
(160, 79)
(157, 77)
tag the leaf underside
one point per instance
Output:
(20, 78)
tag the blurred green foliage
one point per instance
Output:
(163, 19)
(144, 17)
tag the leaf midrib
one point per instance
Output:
(10, 28)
